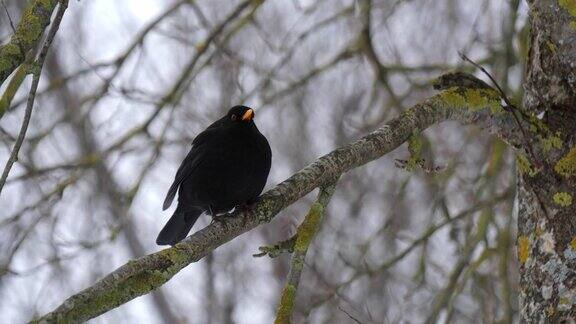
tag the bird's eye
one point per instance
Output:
(233, 117)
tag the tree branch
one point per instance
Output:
(34, 20)
(306, 232)
(37, 70)
(140, 276)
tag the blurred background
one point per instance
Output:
(127, 86)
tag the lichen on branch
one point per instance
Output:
(34, 20)
(306, 232)
(566, 166)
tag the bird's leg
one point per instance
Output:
(219, 218)
(215, 218)
(245, 209)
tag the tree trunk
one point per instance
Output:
(547, 177)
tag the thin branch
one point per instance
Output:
(172, 97)
(380, 70)
(481, 68)
(509, 106)
(444, 297)
(306, 232)
(63, 4)
(177, 90)
(9, 18)
(422, 239)
(349, 315)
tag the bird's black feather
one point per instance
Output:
(227, 166)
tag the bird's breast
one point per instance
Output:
(232, 170)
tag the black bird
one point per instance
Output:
(227, 167)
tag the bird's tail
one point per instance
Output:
(178, 226)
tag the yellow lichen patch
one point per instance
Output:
(200, 46)
(524, 166)
(566, 166)
(570, 6)
(286, 305)
(551, 142)
(415, 148)
(536, 125)
(523, 249)
(573, 243)
(415, 145)
(453, 97)
(550, 311)
(308, 228)
(563, 199)
(563, 303)
(551, 47)
(178, 259)
(472, 99)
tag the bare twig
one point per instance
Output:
(422, 239)
(349, 315)
(509, 107)
(443, 298)
(37, 70)
(9, 18)
(481, 68)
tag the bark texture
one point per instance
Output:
(547, 180)
(34, 20)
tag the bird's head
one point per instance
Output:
(240, 114)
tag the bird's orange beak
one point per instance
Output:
(248, 115)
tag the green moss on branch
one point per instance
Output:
(306, 232)
(524, 166)
(566, 166)
(286, 304)
(570, 7)
(472, 99)
(32, 24)
(563, 199)
(11, 89)
(308, 228)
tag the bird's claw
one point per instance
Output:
(246, 208)
(219, 218)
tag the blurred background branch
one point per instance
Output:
(36, 69)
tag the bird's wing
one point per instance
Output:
(219, 123)
(188, 165)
